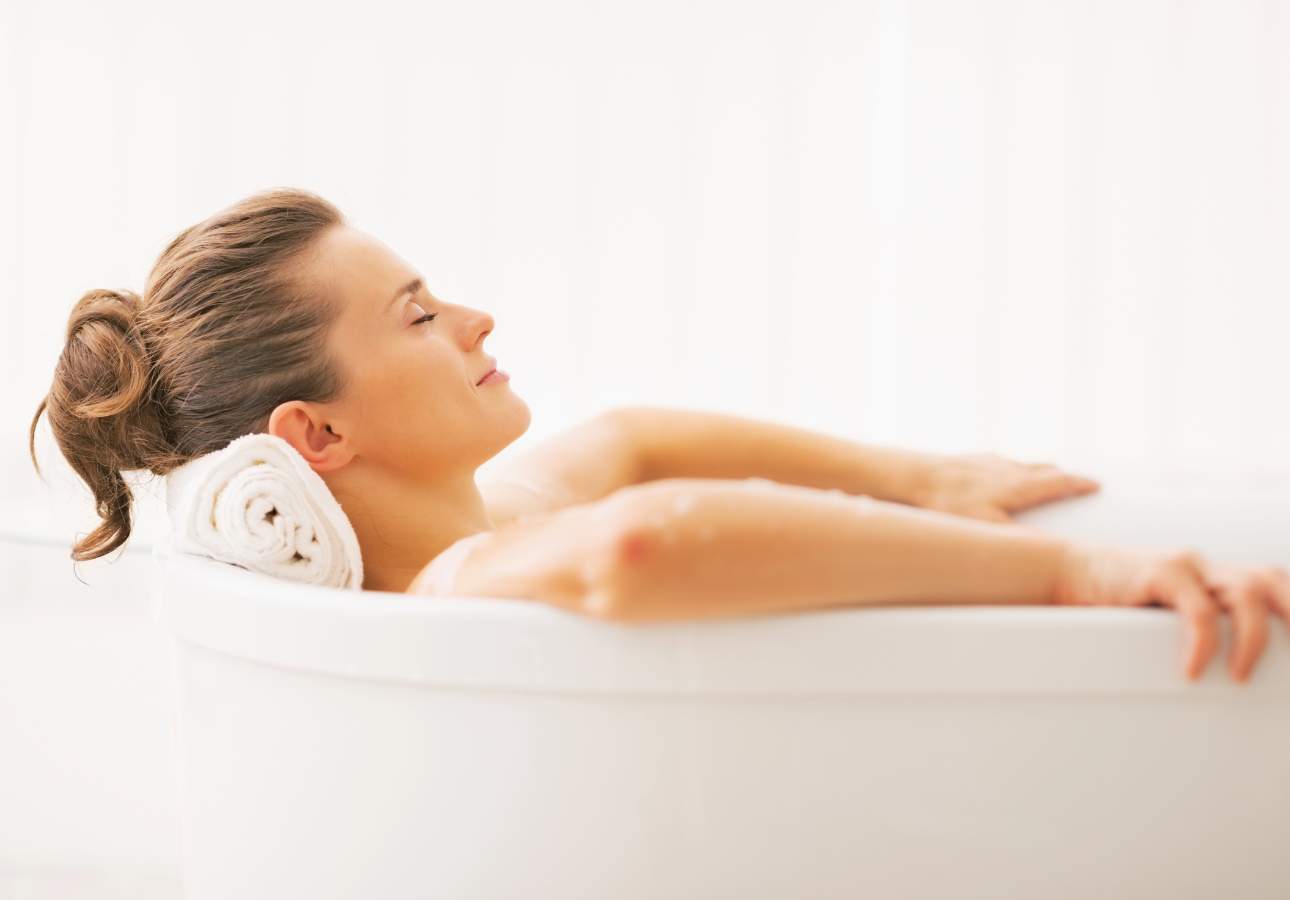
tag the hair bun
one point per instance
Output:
(154, 383)
(115, 308)
(103, 384)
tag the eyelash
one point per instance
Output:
(426, 318)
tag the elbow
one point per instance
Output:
(634, 550)
(626, 423)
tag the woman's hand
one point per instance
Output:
(988, 486)
(1100, 575)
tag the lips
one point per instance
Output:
(489, 372)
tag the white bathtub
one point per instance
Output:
(345, 745)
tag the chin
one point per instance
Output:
(525, 418)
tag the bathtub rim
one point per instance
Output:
(509, 644)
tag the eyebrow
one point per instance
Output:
(410, 287)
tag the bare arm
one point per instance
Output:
(695, 548)
(683, 443)
(587, 462)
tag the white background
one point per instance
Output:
(1053, 230)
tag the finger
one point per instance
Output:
(1245, 601)
(1042, 488)
(1044, 468)
(1280, 594)
(1079, 483)
(1200, 613)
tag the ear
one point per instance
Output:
(304, 427)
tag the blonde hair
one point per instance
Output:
(228, 327)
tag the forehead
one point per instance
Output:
(360, 265)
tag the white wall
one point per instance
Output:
(1047, 229)
(1055, 230)
(88, 762)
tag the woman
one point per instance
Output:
(276, 316)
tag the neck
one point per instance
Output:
(402, 525)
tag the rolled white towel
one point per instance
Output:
(258, 504)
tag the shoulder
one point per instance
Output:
(548, 556)
(440, 573)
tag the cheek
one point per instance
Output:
(417, 384)
(415, 369)
(385, 387)
(403, 369)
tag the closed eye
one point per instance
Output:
(426, 318)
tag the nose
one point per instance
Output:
(478, 326)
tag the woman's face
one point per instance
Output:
(412, 404)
